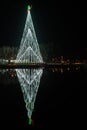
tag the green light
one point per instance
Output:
(29, 7)
(30, 121)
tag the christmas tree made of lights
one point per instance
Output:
(29, 51)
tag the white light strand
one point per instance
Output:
(29, 80)
(29, 49)
(29, 52)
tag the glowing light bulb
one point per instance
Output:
(30, 121)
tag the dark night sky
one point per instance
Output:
(62, 24)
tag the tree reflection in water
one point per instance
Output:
(29, 80)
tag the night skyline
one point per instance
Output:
(60, 25)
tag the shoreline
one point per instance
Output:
(42, 65)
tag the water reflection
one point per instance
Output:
(64, 69)
(8, 76)
(29, 80)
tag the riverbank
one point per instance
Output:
(41, 65)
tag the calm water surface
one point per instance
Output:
(60, 95)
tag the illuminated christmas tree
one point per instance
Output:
(29, 52)
(29, 49)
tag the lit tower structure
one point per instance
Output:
(29, 51)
